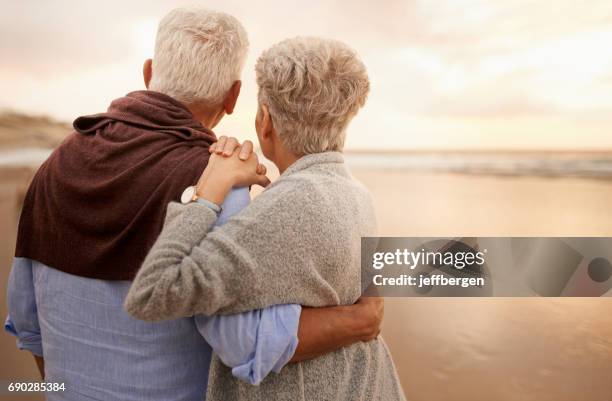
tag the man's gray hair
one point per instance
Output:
(199, 54)
(313, 88)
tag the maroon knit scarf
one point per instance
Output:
(97, 205)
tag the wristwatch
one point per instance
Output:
(190, 195)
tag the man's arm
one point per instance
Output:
(22, 320)
(258, 342)
(324, 330)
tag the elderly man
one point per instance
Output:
(97, 205)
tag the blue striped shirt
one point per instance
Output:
(101, 353)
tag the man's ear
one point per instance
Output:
(147, 72)
(232, 97)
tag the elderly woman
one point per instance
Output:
(298, 242)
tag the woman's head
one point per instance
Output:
(309, 90)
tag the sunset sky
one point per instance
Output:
(450, 74)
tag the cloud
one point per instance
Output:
(435, 66)
(488, 104)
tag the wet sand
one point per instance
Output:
(15, 365)
(497, 349)
(459, 349)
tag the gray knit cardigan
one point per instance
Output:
(298, 242)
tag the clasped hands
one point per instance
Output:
(231, 165)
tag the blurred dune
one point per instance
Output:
(19, 130)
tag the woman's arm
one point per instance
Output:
(321, 330)
(261, 341)
(255, 260)
(256, 342)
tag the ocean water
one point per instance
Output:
(587, 165)
(24, 157)
(553, 164)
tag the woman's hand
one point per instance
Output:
(225, 172)
(227, 145)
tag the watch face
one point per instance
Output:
(187, 195)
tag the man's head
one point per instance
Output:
(309, 90)
(199, 57)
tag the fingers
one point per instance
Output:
(220, 144)
(262, 180)
(248, 169)
(260, 172)
(226, 146)
(261, 169)
(230, 146)
(372, 311)
(245, 150)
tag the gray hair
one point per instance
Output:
(199, 54)
(313, 88)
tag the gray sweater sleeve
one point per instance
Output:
(257, 259)
(169, 267)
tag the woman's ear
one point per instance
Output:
(267, 128)
(265, 132)
(147, 72)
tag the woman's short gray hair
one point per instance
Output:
(199, 54)
(313, 88)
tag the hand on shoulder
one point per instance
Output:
(231, 165)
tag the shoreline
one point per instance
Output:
(597, 166)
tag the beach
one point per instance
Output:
(457, 349)
(496, 349)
